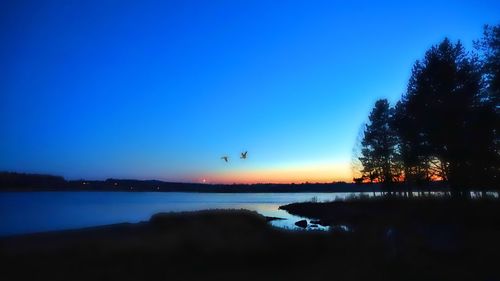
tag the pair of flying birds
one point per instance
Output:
(243, 156)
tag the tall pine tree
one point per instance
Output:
(378, 145)
(435, 118)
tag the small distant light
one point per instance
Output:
(157, 188)
(204, 180)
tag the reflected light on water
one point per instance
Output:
(29, 212)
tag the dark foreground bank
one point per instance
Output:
(400, 213)
(238, 245)
(442, 238)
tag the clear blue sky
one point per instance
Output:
(162, 89)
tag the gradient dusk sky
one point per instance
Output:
(163, 89)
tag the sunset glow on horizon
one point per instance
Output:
(311, 173)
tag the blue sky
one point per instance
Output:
(162, 89)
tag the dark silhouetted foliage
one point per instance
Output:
(378, 144)
(446, 125)
(19, 180)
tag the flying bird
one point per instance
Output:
(244, 155)
(225, 158)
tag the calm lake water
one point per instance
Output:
(29, 212)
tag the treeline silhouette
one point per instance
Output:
(33, 182)
(21, 180)
(445, 127)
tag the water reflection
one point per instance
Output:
(28, 212)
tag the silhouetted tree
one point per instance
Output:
(411, 145)
(435, 118)
(446, 125)
(378, 144)
(356, 165)
(489, 52)
(487, 115)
